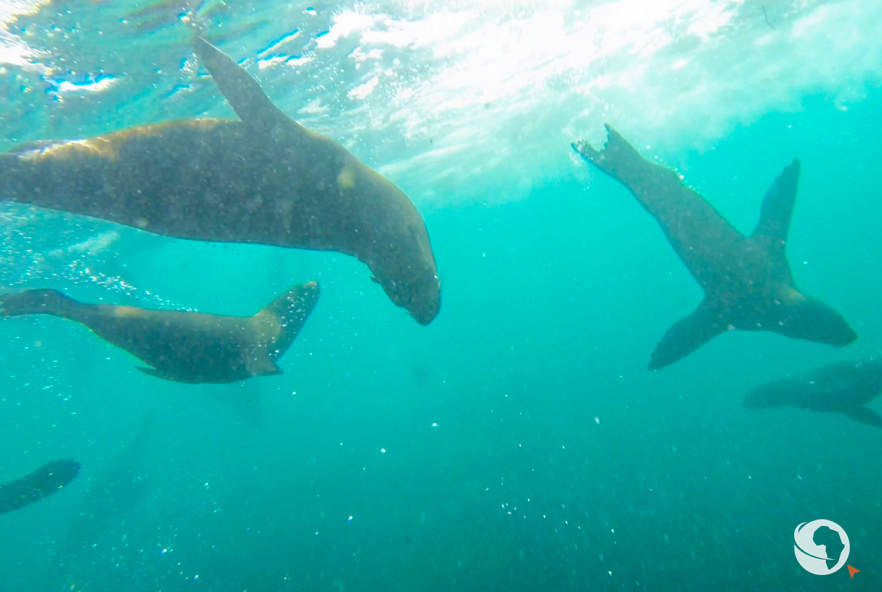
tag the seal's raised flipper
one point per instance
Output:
(687, 335)
(285, 316)
(618, 158)
(777, 209)
(864, 415)
(241, 90)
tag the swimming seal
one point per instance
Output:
(43, 482)
(746, 280)
(264, 179)
(183, 346)
(844, 387)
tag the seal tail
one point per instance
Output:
(51, 302)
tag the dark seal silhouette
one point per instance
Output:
(185, 346)
(43, 482)
(746, 279)
(844, 387)
(264, 179)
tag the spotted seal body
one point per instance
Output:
(264, 179)
(746, 279)
(183, 346)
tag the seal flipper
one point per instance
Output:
(864, 415)
(687, 335)
(289, 312)
(243, 92)
(618, 159)
(777, 210)
(41, 301)
(263, 366)
(155, 373)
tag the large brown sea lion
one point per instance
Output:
(843, 387)
(265, 179)
(185, 346)
(746, 280)
(43, 482)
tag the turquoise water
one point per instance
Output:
(517, 443)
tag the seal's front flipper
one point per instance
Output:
(242, 91)
(687, 335)
(262, 366)
(864, 415)
(777, 210)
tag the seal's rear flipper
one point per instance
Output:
(50, 302)
(241, 90)
(686, 336)
(262, 366)
(777, 210)
(618, 159)
(864, 415)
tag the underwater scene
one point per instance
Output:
(503, 295)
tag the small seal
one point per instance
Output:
(746, 280)
(844, 387)
(184, 346)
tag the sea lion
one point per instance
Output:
(844, 387)
(746, 280)
(43, 482)
(264, 179)
(183, 346)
